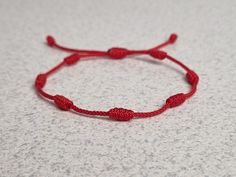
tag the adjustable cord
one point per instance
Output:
(119, 114)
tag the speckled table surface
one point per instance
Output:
(193, 140)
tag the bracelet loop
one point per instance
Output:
(118, 114)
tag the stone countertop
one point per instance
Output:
(197, 139)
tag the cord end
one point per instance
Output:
(51, 41)
(173, 37)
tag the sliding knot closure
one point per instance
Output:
(117, 53)
(62, 102)
(118, 114)
(40, 81)
(158, 54)
(121, 114)
(72, 59)
(176, 100)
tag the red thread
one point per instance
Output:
(62, 102)
(51, 41)
(119, 114)
(72, 59)
(192, 77)
(158, 54)
(40, 80)
(176, 100)
(173, 38)
(117, 53)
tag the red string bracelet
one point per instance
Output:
(119, 114)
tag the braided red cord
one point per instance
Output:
(119, 114)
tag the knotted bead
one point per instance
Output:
(40, 81)
(172, 38)
(158, 54)
(192, 77)
(50, 40)
(117, 53)
(72, 59)
(62, 102)
(176, 100)
(121, 114)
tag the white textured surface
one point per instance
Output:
(193, 140)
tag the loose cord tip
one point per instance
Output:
(51, 41)
(173, 37)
